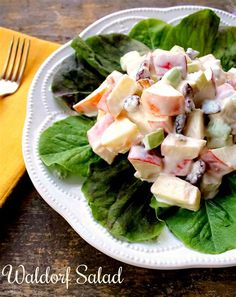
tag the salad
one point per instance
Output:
(175, 115)
(154, 138)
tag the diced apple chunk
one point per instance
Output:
(131, 62)
(94, 138)
(195, 124)
(89, 105)
(224, 91)
(182, 147)
(177, 167)
(163, 100)
(227, 155)
(175, 191)
(203, 84)
(153, 139)
(194, 66)
(165, 60)
(172, 77)
(231, 76)
(165, 122)
(120, 135)
(215, 161)
(228, 112)
(148, 122)
(210, 185)
(147, 164)
(126, 86)
(139, 117)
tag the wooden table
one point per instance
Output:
(34, 235)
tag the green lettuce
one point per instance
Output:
(64, 147)
(74, 80)
(198, 31)
(151, 32)
(103, 52)
(225, 47)
(120, 202)
(212, 228)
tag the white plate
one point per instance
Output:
(66, 197)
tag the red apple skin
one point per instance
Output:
(138, 152)
(102, 103)
(224, 91)
(164, 61)
(162, 106)
(182, 168)
(112, 80)
(96, 132)
(214, 165)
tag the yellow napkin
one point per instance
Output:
(13, 111)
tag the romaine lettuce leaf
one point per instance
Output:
(103, 52)
(197, 31)
(74, 80)
(120, 202)
(225, 47)
(212, 229)
(151, 32)
(64, 146)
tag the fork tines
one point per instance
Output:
(16, 60)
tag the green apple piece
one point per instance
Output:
(218, 132)
(173, 76)
(209, 185)
(182, 147)
(194, 66)
(175, 191)
(194, 126)
(153, 139)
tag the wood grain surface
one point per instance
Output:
(33, 234)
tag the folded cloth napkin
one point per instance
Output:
(13, 111)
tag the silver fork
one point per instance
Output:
(14, 67)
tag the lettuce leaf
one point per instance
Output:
(74, 80)
(103, 52)
(197, 31)
(120, 202)
(225, 47)
(212, 228)
(151, 32)
(64, 146)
